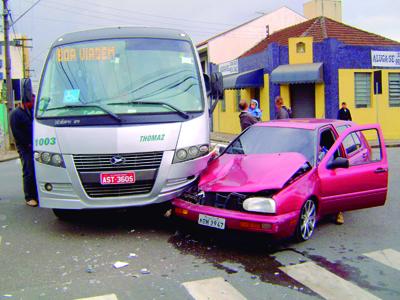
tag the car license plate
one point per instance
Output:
(117, 178)
(211, 221)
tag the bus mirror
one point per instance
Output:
(207, 83)
(26, 90)
(217, 85)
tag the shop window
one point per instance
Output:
(300, 47)
(238, 97)
(362, 90)
(394, 89)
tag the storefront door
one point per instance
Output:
(302, 100)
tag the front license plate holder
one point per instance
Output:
(210, 221)
(117, 178)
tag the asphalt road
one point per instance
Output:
(42, 257)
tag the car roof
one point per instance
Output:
(308, 124)
(121, 32)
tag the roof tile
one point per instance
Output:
(321, 28)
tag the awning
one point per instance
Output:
(249, 79)
(299, 73)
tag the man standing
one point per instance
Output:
(344, 113)
(246, 118)
(281, 111)
(21, 121)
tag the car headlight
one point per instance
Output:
(192, 152)
(260, 204)
(48, 158)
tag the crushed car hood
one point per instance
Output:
(250, 173)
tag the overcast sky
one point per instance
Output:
(201, 19)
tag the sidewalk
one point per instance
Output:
(8, 155)
(226, 138)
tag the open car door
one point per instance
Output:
(354, 182)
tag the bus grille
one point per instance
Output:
(85, 164)
(102, 163)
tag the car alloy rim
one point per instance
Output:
(308, 219)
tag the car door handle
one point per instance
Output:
(381, 170)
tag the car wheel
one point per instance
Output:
(307, 221)
(65, 214)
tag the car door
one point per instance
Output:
(364, 182)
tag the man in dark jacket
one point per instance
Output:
(21, 121)
(246, 118)
(344, 113)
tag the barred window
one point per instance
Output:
(238, 97)
(394, 89)
(362, 90)
(223, 103)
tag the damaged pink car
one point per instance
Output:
(280, 177)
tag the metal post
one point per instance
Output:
(10, 100)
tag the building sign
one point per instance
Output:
(389, 59)
(230, 67)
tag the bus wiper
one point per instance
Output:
(158, 103)
(109, 112)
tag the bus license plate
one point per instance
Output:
(117, 178)
(211, 221)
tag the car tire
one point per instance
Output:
(307, 221)
(65, 214)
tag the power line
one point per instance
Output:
(97, 15)
(24, 13)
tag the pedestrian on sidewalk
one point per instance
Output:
(281, 111)
(246, 118)
(344, 113)
(21, 121)
(255, 110)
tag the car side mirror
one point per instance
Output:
(221, 150)
(338, 162)
(26, 90)
(207, 83)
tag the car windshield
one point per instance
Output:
(121, 76)
(265, 139)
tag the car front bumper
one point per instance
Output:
(279, 226)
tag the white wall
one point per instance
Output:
(234, 43)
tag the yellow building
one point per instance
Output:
(315, 66)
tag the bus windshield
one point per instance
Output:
(120, 76)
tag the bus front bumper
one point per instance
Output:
(67, 191)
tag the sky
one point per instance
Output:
(200, 19)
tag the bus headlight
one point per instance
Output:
(192, 152)
(260, 204)
(48, 158)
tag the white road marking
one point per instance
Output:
(387, 257)
(104, 297)
(212, 289)
(325, 283)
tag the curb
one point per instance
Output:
(11, 157)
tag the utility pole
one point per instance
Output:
(10, 100)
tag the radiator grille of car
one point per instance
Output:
(93, 163)
(102, 163)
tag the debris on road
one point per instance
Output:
(89, 269)
(120, 264)
(132, 255)
(144, 271)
